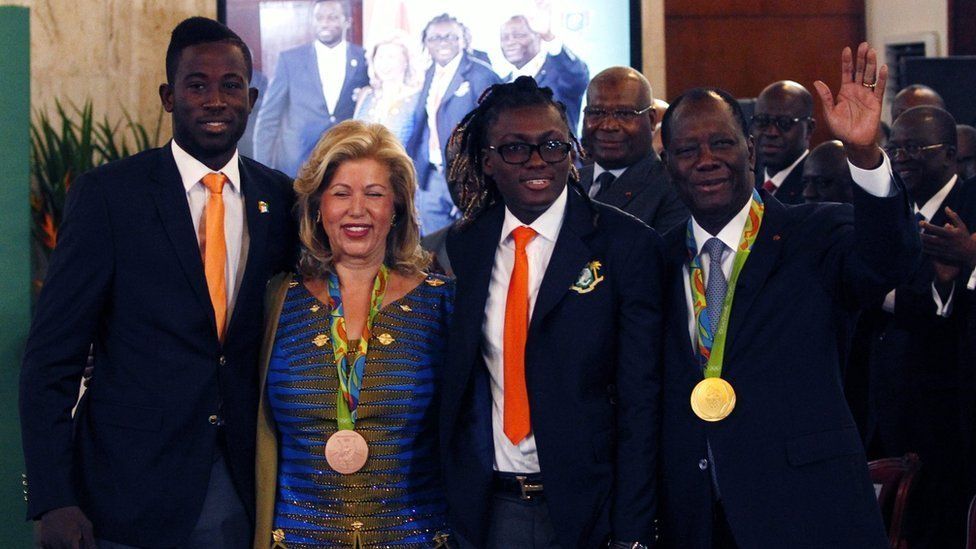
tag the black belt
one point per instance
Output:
(525, 486)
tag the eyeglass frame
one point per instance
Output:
(776, 121)
(893, 151)
(533, 148)
(437, 38)
(620, 115)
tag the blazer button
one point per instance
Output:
(332, 119)
(703, 464)
(222, 360)
(213, 419)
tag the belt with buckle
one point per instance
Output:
(524, 486)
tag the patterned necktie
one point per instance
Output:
(604, 181)
(769, 186)
(516, 411)
(215, 249)
(717, 286)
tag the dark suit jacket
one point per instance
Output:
(791, 191)
(591, 365)
(127, 276)
(473, 77)
(644, 191)
(567, 76)
(790, 466)
(294, 115)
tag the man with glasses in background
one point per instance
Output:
(782, 127)
(451, 89)
(618, 130)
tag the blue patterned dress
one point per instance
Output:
(396, 500)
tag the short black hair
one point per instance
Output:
(696, 94)
(344, 4)
(201, 30)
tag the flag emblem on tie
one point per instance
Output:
(588, 278)
(262, 206)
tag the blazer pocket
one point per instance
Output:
(124, 415)
(824, 445)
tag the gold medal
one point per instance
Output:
(346, 451)
(713, 399)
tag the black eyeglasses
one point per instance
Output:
(434, 38)
(596, 115)
(551, 151)
(911, 149)
(784, 123)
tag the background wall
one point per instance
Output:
(888, 18)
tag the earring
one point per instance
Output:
(393, 220)
(318, 217)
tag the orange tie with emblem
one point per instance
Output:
(516, 413)
(215, 249)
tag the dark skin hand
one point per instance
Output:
(951, 247)
(64, 528)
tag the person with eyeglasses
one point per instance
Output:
(550, 392)
(910, 340)
(313, 88)
(618, 133)
(782, 127)
(452, 85)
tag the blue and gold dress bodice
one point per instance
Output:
(396, 499)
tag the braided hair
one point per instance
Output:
(468, 145)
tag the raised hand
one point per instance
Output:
(853, 116)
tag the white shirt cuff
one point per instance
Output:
(889, 303)
(971, 285)
(876, 182)
(942, 309)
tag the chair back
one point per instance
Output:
(971, 525)
(893, 480)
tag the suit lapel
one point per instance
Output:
(635, 180)
(678, 258)
(315, 84)
(569, 256)
(455, 84)
(762, 259)
(951, 200)
(257, 233)
(174, 211)
(352, 64)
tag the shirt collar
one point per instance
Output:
(450, 68)
(335, 51)
(192, 170)
(598, 169)
(931, 207)
(546, 225)
(531, 68)
(731, 233)
(784, 173)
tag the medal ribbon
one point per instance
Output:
(711, 346)
(351, 377)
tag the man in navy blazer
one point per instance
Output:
(451, 89)
(160, 452)
(782, 127)
(314, 88)
(539, 54)
(785, 466)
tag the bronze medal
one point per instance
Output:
(346, 451)
(713, 399)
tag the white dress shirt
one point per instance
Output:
(532, 68)
(521, 458)
(781, 175)
(597, 171)
(876, 182)
(235, 229)
(332, 71)
(928, 210)
(438, 87)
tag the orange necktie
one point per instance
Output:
(215, 249)
(516, 413)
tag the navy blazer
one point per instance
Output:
(791, 191)
(790, 466)
(472, 78)
(127, 276)
(644, 191)
(567, 75)
(592, 374)
(293, 115)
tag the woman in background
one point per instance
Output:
(391, 98)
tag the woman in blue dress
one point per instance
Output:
(347, 446)
(394, 89)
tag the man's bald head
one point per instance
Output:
(965, 151)
(826, 176)
(618, 141)
(782, 124)
(930, 133)
(620, 76)
(915, 95)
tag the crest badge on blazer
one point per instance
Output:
(588, 278)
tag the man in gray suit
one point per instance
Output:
(618, 129)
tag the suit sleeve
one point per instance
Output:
(640, 289)
(672, 210)
(268, 124)
(71, 303)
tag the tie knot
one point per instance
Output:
(522, 236)
(215, 182)
(714, 248)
